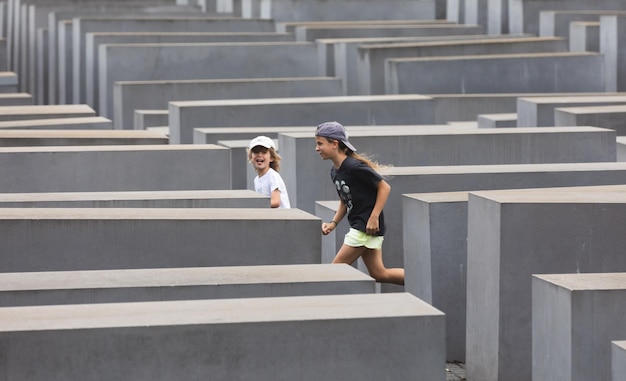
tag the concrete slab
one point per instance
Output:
(135, 95)
(497, 120)
(8, 82)
(95, 40)
(22, 138)
(135, 62)
(16, 99)
(574, 319)
(114, 168)
(89, 123)
(302, 168)
(547, 73)
(558, 23)
(190, 283)
(187, 338)
(54, 239)
(514, 234)
(12, 113)
(618, 365)
(611, 117)
(231, 198)
(290, 26)
(312, 32)
(613, 47)
(621, 148)
(355, 110)
(538, 111)
(585, 36)
(143, 119)
(371, 64)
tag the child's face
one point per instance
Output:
(325, 148)
(261, 159)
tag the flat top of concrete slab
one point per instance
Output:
(613, 194)
(240, 143)
(183, 45)
(223, 80)
(331, 204)
(398, 39)
(308, 129)
(7, 74)
(132, 147)
(439, 196)
(189, 276)
(151, 111)
(131, 195)
(59, 121)
(45, 109)
(182, 214)
(15, 95)
(156, 34)
(587, 98)
(483, 57)
(501, 116)
(88, 134)
(586, 281)
(503, 168)
(620, 343)
(621, 139)
(595, 109)
(218, 311)
(364, 22)
(302, 100)
(457, 130)
(484, 41)
(520, 95)
(388, 26)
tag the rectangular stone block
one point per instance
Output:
(611, 117)
(232, 198)
(613, 48)
(517, 233)
(190, 339)
(84, 25)
(114, 168)
(23, 138)
(88, 123)
(574, 319)
(538, 111)
(212, 135)
(303, 111)
(12, 113)
(618, 360)
(371, 63)
(143, 119)
(547, 73)
(95, 40)
(55, 239)
(15, 99)
(302, 168)
(621, 148)
(585, 36)
(312, 32)
(558, 23)
(498, 120)
(189, 283)
(202, 61)
(140, 95)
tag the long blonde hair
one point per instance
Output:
(275, 164)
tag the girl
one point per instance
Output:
(266, 161)
(363, 194)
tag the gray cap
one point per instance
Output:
(334, 130)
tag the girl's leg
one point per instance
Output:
(373, 259)
(348, 254)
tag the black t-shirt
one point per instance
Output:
(357, 186)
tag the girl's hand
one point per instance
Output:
(372, 227)
(328, 227)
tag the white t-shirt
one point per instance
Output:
(269, 182)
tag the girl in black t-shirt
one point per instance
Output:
(363, 193)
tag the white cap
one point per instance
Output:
(263, 141)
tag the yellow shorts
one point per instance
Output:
(356, 238)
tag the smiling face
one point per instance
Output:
(261, 158)
(326, 149)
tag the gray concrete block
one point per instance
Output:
(15, 99)
(190, 283)
(613, 47)
(538, 111)
(289, 10)
(114, 168)
(23, 138)
(434, 230)
(312, 32)
(191, 339)
(55, 239)
(574, 319)
(372, 58)
(497, 120)
(558, 23)
(618, 360)
(8, 82)
(13, 113)
(585, 36)
(143, 119)
(202, 61)
(84, 25)
(94, 40)
(216, 134)
(621, 148)
(289, 26)
(524, 14)
(373, 110)
(231, 198)
(133, 95)
(611, 117)
(514, 234)
(89, 123)
(547, 73)
(302, 168)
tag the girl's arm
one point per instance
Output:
(381, 199)
(275, 198)
(328, 227)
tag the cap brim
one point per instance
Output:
(347, 143)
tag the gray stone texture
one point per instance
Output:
(585, 37)
(23, 138)
(611, 117)
(618, 360)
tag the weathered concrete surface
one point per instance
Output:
(75, 123)
(538, 111)
(22, 138)
(611, 117)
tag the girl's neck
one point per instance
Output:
(263, 171)
(338, 159)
